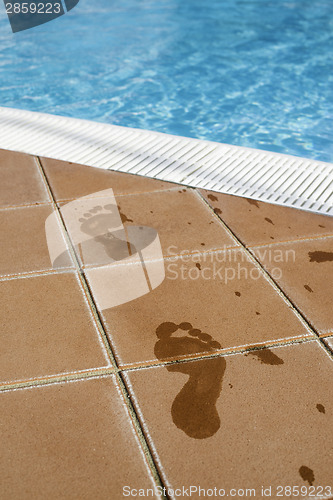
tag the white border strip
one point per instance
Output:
(272, 177)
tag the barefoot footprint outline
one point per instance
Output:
(100, 225)
(194, 408)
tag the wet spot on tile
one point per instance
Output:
(253, 202)
(267, 357)
(267, 219)
(320, 256)
(198, 266)
(320, 408)
(307, 474)
(211, 197)
(217, 211)
(194, 408)
(123, 216)
(238, 294)
(308, 288)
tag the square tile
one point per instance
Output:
(47, 328)
(71, 440)
(24, 246)
(206, 303)
(241, 421)
(304, 271)
(21, 181)
(256, 222)
(70, 180)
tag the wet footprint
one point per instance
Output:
(99, 223)
(194, 408)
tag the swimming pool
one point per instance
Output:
(254, 73)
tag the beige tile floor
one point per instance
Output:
(218, 376)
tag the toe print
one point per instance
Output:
(100, 223)
(99, 220)
(194, 408)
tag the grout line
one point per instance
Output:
(26, 205)
(96, 316)
(266, 274)
(326, 347)
(84, 284)
(121, 195)
(227, 352)
(95, 372)
(171, 257)
(140, 433)
(297, 240)
(56, 379)
(35, 274)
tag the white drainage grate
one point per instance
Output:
(281, 179)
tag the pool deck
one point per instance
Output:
(218, 375)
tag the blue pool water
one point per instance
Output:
(255, 73)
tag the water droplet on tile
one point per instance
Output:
(320, 256)
(307, 474)
(320, 408)
(253, 202)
